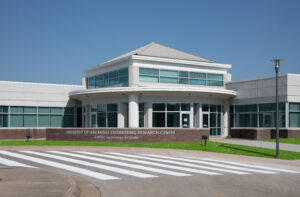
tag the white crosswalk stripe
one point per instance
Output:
(109, 168)
(135, 162)
(122, 164)
(181, 163)
(156, 164)
(250, 165)
(61, 166)
(212, 164)
(9, 162)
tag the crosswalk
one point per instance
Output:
(113, 166)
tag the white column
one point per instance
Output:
(133, 76)
(200, 116)
(148, 117)
(192, 116)
(121, 115)
(287, 115)
(87, 116)
(133, 111)
(225, 119)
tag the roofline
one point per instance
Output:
(153, 89)
(261, 78)
(159, 59)
(179, 61)
(33, 83)
(105, 64)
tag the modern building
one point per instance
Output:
(154, 87)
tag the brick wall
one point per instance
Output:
(261, 134)
(21, 133)
(127, 135)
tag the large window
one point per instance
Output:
(3, 116)
(170, 114)
(215, 118)
(141, 115)
(257, 115)
(267, 115)
(179, 77)
(32, 117)
(294, 114)
(246, 116)
(107, 115)
(108, 79)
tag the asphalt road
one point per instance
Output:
(186, 173)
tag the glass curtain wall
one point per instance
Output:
(3, 116)
(215, 118)
(169, 114)
(32, 116)
(107, 79)
(257, 115)
(294, 115)
(107, 115)
(179, 77)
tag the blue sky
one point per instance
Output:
(53, 41)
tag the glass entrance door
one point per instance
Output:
(185, 120)
(205, 120)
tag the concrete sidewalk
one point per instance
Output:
(262, 144)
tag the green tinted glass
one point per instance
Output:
(152, 79)
(56, 110)
(183, 74)
(123, 72)
(68, 121)
(173, 107)
(168, 80)
(173, 119)
(69, 110)
(112, 107)
(101, 119)
(30, 120)
(3, 109)
(215, 77)
(112, 119)
(43, 121)
(168, 73)
(43, 110)
(148, 71)
(141, 106)
(294, 107)
(30, 110)
(16, 109)
(16, 120)
(197, 82)
(196, 75)
(185, 107)
(101, 108)
(158, 107)
(56, 121)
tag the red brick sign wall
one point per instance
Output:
(127, 135)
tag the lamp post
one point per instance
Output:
(277, 61)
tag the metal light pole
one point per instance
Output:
(277, 61)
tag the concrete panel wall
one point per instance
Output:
(36, 94)
(259, 90)
(293, 88)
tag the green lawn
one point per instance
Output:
(211, 147)
(295, 140)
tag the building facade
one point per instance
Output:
(153, 87)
